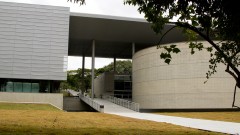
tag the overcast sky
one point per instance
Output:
(103, 7)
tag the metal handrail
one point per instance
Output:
(92, 103)
(122, 102)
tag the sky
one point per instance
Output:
(103, 7)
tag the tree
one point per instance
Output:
(122, 67)
(81, 2)
(76, 82)
(84, 81)
(210, 19)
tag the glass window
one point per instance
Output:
(35, 87)
(18, 87)
(26, 87)
(119, 85)
(119, 77)
(127, 85)
(9, 87)
(3, 88)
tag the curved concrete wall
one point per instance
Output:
(179, 85)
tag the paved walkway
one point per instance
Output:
(210, 125)
(110, 107)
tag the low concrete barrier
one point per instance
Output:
(74, 104)
(55, 99)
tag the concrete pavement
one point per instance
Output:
(209, 125)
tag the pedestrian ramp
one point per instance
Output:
(110, 104)
(110, 107)
(231, 128)
(73, 92)
(209, 125)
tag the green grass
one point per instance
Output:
(23, 106)
(29, 119)
(220, 116)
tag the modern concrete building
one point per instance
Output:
(33, 52)
(180, 85)
(35, 41)
(34, 47)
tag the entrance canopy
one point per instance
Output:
(113, 36)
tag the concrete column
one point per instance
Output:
(133, 49)
(133, 52)
(114, 64)
(49, 86)
(93, 66)
(83, 70)
(83, 65)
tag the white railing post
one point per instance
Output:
(125, 103)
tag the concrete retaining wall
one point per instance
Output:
(74, 104)
(55, 99)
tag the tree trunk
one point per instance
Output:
(235, 90)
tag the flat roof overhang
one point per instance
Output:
(114, 35)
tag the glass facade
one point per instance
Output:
(123, 86)
(35, 87)
(8, 87)
(29, 86)
(17, 87)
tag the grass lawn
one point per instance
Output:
(22, 119)
(12, 106)
(220, 116)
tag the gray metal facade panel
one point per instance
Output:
(33, 41)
